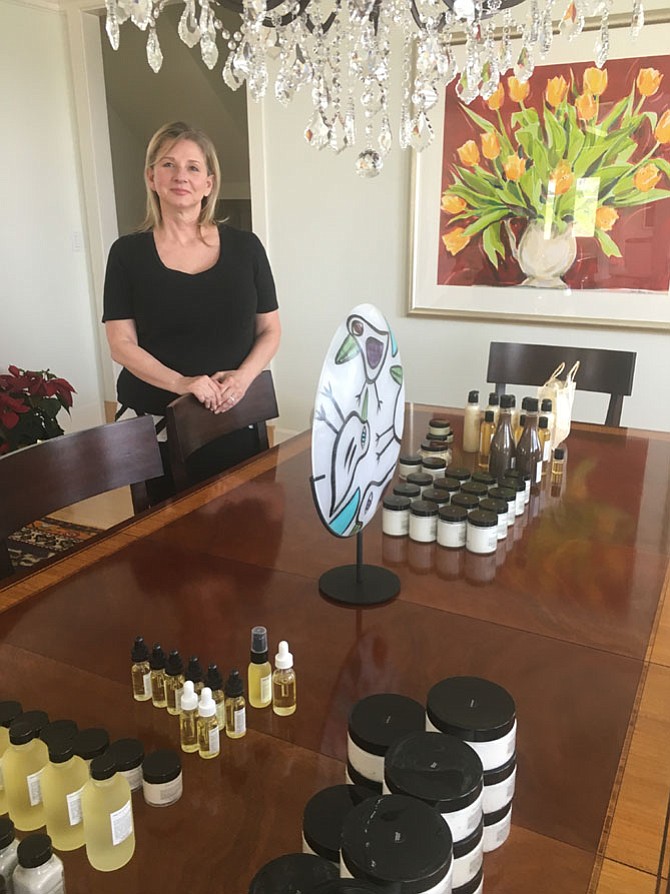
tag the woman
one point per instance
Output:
(189, 305)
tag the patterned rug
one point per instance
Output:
(42, 539)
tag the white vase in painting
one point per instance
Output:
(543, 258)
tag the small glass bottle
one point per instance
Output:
(8, 846)
(62, 783)
(108, 816)
(471, 422)
(22, 766)
(486, 431)
(174, 682)
(557, 471)
(544, 435)
(236, 714)
(209, 741)
(529, 449)
(260, 670)
(503, 449)
(284, 695)
(140, 671)
(547, 409)
(494, 406)
(214, 680)
(195, 674)
(188, 719)
(157, 665)
(9, 711)
(39, 871)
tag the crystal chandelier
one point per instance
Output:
(341, 51)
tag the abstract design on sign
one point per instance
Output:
(358, 421)
(563, 180)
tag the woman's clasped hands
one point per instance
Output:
(219, 392)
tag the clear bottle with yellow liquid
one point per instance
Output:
(157, 667)
(140, 672)
(107, 809)
(174, 682)
(235, 705)
(209, 741)
(63, 781)
(284, 695)
(9, 711)
(22, 766)
(188, 719)
(260, 670)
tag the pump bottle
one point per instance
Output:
(214, 680)
(174, 682)
(62, 782)
(284, 696)
(236, 717)
(157, 665)
(194, 673)
(188, 719)
(471, 423)
(140, 671)
(260, 670)
(209, 742)
(108, 816)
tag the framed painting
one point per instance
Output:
(550, 201)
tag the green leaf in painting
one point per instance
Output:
(486, 220)
(608, 245)
(492, 243)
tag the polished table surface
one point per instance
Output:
(568, 615)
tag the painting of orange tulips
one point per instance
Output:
(560, 182)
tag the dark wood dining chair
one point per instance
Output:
(40, 479)
(603, 371)
(191, 426)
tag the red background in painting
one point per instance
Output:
(642, 233)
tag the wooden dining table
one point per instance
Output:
(570, 615)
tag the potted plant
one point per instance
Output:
(30, 401)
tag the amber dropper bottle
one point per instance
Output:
(140, 671)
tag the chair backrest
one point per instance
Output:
(40, 479)
(191, 426)
(604, 371)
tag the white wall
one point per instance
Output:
(47, 317)
(336, 240)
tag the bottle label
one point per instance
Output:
(266, 689)
(146, 679)
(74, 806)
(34, 788)
(122, 823)
(538, 472)
(214, 743)
(240, 720)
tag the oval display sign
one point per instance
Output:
(359, 414)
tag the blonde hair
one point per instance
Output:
(164, 138)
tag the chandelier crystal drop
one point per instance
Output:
(341, 51)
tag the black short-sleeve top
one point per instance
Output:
(197, 324)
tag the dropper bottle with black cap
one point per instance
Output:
(174, 681)
(215, 682)
(157, 668)
(22, 765)
(260, 670)
(140, 672)
(108, 816)
(195, 674)
(62, 782)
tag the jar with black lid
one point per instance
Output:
(497, 827)
(451, 485)
(434, 466)
(323, 817)
(509, 496)
(162, 783)
(451, 526)
(519, 488)
(395, 515)
(408, 463)
(292, 872)
(475, 488)
(484, 478)
(439, 426)
(435, 447)
(423, 521)
(481, 535)
(411, 491)
(460, 474)
(437, 496)
(500, 507)
(466, 501)
(499, 786)
(421, 480)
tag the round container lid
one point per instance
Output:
(467, 501)
(439, 422)
(474, 487)
(8, 712)
(127, 753)
(324, 814)
(459, 473)
(484, 478)
(453, 514)
(500, 774)
(22, 731)
(490, 504)
(490, 819)
(407, 490)
(434, 445)
(6, 832)
(441, 770)
(471, 708)
(378, 720)
(515, 484)
(161, 766)
(396, 503)
(503, 493)
(423, 508)
(435, 495)
(480, 518)
(434, 462)
(90, 743)
(451, 485)
(60, 729)
(410, 459)
(293, 874)
(33, 851)
(103, 767)
(421, 479)
(559, 453)
(61, 747)
(38, 719)
(394, 838)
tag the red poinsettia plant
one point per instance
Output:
(30, 400)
